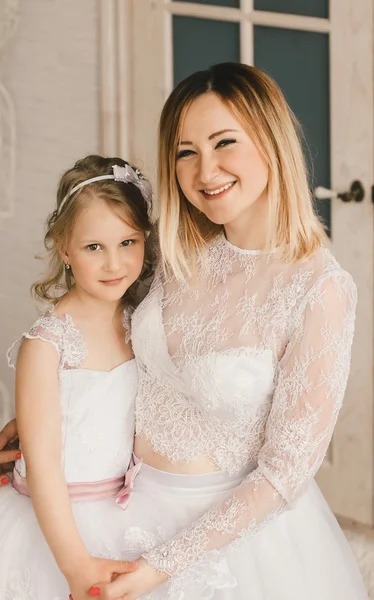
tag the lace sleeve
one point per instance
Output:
(311, 381)
(126, 322)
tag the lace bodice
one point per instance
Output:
(97, 407)
(248, 364)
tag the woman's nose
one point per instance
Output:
(208, 169)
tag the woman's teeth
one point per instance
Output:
(220, 190)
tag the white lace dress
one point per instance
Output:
(246, 369)
(97, 431)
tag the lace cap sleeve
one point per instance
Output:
(61, 333)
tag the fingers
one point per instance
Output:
(9, 456)
(123, 566)
(8, 433)
(4, 480)
(109, 591)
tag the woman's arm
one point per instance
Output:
(311, 382)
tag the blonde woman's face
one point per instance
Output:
(104, 252)
(219, 168)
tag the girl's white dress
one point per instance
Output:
(247, 369)
(97, 431)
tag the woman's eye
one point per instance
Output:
(93, 247)
(127, 243)
(184, 153)
(222, 143)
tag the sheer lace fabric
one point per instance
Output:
(249, 363)
(61, 333)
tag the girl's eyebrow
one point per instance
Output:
(127, 236)
(211, 137)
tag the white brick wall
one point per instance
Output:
(51, 70)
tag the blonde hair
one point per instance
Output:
(125, 198)
(258, 103)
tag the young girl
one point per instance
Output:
(243, 351)
(76, 382)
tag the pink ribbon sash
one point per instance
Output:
(124, 495)
(119, 488)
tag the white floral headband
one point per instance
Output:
(125, 174)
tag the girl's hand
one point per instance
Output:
(9, 451)
(132, 586)
(96, 569)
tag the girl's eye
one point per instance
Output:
(93, 247)
(227, 142)
(184, 153)
(127, 243)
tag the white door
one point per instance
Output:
(320, 53)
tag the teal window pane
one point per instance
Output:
(200, 43)
(306, 8)
(231, 3)
(299, 62)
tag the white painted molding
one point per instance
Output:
(115, 77)
(124, 78)
(246, 33)
(168, 50)
(9, 18)
(204, 11)
(247, 13)
(285, 21)
(108, 76)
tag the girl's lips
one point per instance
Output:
(112, 281)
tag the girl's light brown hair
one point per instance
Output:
(125, 198)
(259, 105)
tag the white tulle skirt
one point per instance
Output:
(28, 570)
(300, 555)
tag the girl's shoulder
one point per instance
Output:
(58, 330)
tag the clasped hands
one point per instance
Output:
(115, 580)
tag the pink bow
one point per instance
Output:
(124, 495)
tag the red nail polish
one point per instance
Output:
(18, 455)
(4, 480)
(95, 591)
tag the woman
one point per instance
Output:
(243, 350)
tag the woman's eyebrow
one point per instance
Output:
(211, 137)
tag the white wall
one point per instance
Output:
(51, 70)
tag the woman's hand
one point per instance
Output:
(132, 586)
(96, 569)
(9, 450)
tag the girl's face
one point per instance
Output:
(219, 169)
(105, 253)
